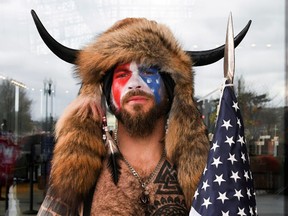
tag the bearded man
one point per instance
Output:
(160, 145)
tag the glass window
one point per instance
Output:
(36, 86)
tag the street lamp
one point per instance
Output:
(17, 85)
(49, 89)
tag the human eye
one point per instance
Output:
(149, 71)
(121, 74)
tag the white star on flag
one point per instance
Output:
(216, 162)
(229, 140)
(251, 210)
(222, 197)
(235, 176)
(232, 158)
(243, 157)
(196, 194)
(226, 124)
(205, 185)
(205, 170)
(246, 175)
(238, 194)
(206, 202)
(241, 140)
(248, 193)
(231, 191)
(235, 106)
(239, 123)
(219, 179)
(215, 146)
(241, 212)
(225, 213)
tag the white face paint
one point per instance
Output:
(135, 82)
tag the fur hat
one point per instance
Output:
(149, 43)
(79, 150)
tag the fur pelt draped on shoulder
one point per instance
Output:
(79, 150)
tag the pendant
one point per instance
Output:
(144, 198)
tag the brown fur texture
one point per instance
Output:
(79, 151)
(127, 201)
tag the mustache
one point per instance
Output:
(136, 93)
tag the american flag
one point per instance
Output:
(226, 186)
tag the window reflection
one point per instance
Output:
(27, 141)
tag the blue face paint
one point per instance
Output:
(152, 78)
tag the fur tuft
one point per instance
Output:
(187, 143)
(79, 151)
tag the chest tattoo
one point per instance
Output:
(165, 194)
(169, 198)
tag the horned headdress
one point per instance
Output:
(79, 151)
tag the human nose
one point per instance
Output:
(135, 83)
(134, 87)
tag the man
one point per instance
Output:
(139, 101)
(146, 78)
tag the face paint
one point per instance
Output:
(152, 78)
(131, 77)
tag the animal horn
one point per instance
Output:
(201, 58)
(67, 54)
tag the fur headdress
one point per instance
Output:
(79, 150)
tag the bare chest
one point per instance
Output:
(165, 194)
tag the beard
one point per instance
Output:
(141, 123)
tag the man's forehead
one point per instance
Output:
(122, 66)
(133, 66)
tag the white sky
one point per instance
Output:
(198, 24)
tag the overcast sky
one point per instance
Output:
(198, 25)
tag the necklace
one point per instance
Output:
(144, 198)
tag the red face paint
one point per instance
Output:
(121, 76)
